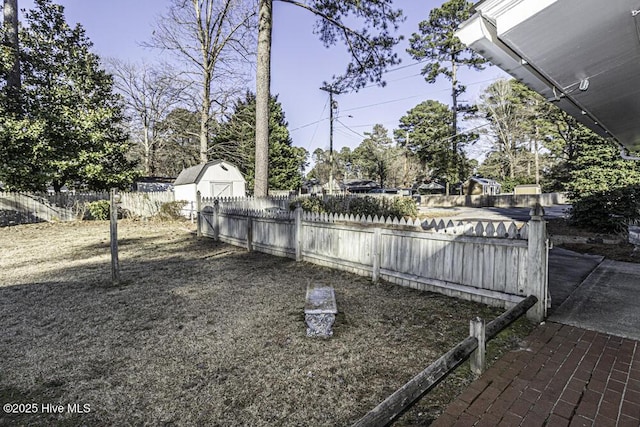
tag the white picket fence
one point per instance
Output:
(249, 203)
(494, 263)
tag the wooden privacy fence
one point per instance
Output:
(25, 208)
(493, 263)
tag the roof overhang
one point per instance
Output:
(582, 54)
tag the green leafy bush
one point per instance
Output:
(309, 204)
(404, 206)
(359, 205)
(99, 210)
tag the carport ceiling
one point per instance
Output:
(583, 54)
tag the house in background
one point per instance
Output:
(148, 184)
(311, 186)
(216, 178)
(431, 188)
(481, 186)
(360, 185)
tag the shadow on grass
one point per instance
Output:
(204, 333)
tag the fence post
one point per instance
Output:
(198, 214)
(478, 357)
(113, 235)
(298, 237)
(537, 264)
(377, 249)
(249, 232)
(216, 220)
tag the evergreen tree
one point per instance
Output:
(444, 54)
(604, 188)
(321, 168)
(426, 131)
(598, 167)
(235, 141)
(71, 130)
(373, 155)
(180, 131)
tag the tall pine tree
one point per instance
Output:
(443, 54)
(370, 48)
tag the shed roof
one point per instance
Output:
(192, 175)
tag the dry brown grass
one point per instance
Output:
(202, 333)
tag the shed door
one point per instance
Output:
(221, 189)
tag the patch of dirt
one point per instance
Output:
(612, 246)
(203, 333)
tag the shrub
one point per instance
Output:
(359, 205)
(509, 184)
(309, 204)
(607, 211)
(99, 210)
(171, 211)
(404, 206)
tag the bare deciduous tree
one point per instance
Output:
(150, 94)
(217, 40)
(507, 123)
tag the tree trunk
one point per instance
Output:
(147, 152)
(454, 131)
(11, 40)
(263, 83)
(204, 117)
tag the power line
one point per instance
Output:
(350, 130)
(317, 125)
(391, 101)
(383, 103)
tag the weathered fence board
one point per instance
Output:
(499, 270)
(24, 208)
(465, 264)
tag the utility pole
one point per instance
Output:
(331, 91)
(405, 181)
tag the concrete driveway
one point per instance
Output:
(586, 290)
(499, 214)
(607, 301)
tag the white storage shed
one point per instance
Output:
(216, 178)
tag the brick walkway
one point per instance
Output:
(566, 377)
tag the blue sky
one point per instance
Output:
(300, 64)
